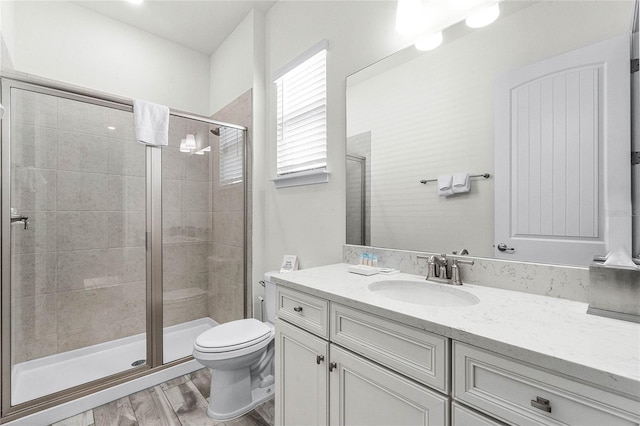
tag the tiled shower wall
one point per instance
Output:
(226, 285)
(186, 223)
(203, 225)
(78, 272)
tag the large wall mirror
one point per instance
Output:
(417, 116)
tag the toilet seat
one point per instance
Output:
(233, 336)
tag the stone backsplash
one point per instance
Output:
(566, 282)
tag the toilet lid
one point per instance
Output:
(233, 335)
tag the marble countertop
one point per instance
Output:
(555, 334)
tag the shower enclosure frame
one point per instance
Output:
(153, 231)
(363, 197)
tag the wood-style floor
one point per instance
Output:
(179, 402)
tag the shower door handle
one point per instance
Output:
(20, 218)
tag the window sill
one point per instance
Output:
(311, 177)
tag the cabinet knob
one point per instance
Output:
(332, 365)
(319, 359)
(298, 309)
(541, 404)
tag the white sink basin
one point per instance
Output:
(423, 293)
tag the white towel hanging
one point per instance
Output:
(151, 123)
(444, 185)
(461, 183)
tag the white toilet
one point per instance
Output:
(240, 356)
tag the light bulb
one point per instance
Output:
(483, 17)
(429, 42)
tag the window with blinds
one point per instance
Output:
(302, 113)
(230, 155)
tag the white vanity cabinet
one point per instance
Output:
(319, 382)
(302, 377)
(364, 393)
(463, 416)
(337, 365)
(523, 394)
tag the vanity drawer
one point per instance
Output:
(307, 312)
(523, 394)
(463, 416)
(415, 353)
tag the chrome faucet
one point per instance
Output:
(443, 266)
(439, 269)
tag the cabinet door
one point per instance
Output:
(363, 393)
(301, 377)
(463, 416)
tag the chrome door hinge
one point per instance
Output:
(635, 65)
(635, 158)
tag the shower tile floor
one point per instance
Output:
(181, 401)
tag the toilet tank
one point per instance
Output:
(270, 296)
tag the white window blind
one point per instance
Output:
(302, 114)
(230, 154)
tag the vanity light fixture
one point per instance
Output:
(190, 141)
(409, 16)
(188, 144)
(483, 17)
(183, 146)
(203, 150)
(429, 42)
(426, 19)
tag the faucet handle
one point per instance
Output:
(431, 265)
(455, 270)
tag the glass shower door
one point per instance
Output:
(203, 238)
(77, 241)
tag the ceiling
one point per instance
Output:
(201, 25)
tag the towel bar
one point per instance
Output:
(484, 175)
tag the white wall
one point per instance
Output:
(65, 42)
(237, 66)
(232, 65)
(6, 34)
(309, 221)
(258, 140)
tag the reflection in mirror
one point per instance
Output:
(416, 116)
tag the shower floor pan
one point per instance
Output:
(44, 376)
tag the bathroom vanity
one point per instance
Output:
(348, 353)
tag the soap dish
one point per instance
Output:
(363, 269)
